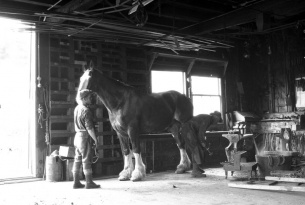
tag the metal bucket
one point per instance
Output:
(53, 169)
(268, 163)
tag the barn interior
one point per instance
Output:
(252, 50)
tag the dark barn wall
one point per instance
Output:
(267, 66)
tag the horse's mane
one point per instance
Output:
(116, 81)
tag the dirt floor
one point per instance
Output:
(157, 188)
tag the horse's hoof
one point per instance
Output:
(136, 179)
(137, 176)
(123, 178)
(180, 171)
(124, 175)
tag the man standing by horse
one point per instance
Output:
(83, 141)
(193, 132)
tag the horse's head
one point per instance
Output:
(87, 81)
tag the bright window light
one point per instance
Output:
(206, 104)
(205, 85)
(206, 94)
(167, 80)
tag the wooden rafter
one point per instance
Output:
(155, 55)
(195, 8)
(35, 3)
(237, 17)
(74, 5)
(190, 67)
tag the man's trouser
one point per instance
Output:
(193, 142)
(83, 151)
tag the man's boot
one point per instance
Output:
(197, 172)
(89, 183)
(75, 171)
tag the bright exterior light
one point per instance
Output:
(167, 80)
(15, 71)
(206, 91)
(206, 94)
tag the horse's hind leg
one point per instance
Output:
(125, 174)
(185, 162)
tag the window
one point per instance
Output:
(167, 80)
(206, 94)
(206, 91)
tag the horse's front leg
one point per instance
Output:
(185, 162)
(125, 174)
(139, 172)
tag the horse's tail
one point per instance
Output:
(184, 108)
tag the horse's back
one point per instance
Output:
(182, 105)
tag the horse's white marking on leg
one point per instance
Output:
(185, 162)
(125, 174)
(140, 170)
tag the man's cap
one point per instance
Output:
(84, 93)
(217, 114)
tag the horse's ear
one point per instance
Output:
(91, 65)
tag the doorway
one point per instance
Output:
(16, 69)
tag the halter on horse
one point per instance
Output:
(132, 114)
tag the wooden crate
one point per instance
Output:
(67, 151)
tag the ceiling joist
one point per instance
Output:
(239, 16)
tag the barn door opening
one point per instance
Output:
(16, 98)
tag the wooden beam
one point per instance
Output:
(78, 5)
(269, 186)
(190, 67)
(191, 57)
(74, 5)
(286, 179)
(35, 3)
(155, 55)
(195, 8)
(177, 17)
(225, 68)
(237, 17)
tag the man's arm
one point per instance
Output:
(92, 135)
(89, 123)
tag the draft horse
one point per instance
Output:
(132, 114)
